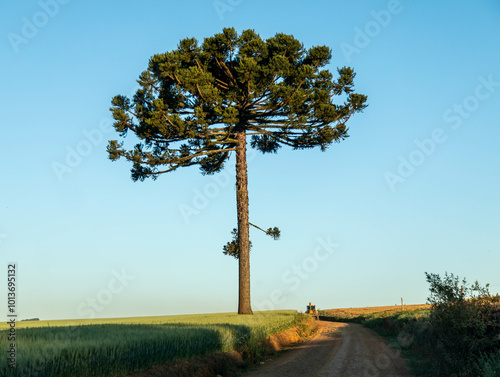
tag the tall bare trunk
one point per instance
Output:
(244, 306)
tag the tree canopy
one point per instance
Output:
(193, 99)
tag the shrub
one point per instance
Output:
(489, 365)
(464, 323)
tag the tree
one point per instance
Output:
(198, 103)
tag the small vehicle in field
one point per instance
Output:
(311, 309)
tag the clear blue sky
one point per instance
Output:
(415, 188)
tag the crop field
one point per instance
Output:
(355, 312)
(114, 347)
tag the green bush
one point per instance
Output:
(464, 325)
(459, 336)
(489, 365)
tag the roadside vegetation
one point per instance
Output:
(105, 349)
(363, 312)
(459, 335)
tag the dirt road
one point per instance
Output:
(340, 350)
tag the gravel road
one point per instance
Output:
(340, 350)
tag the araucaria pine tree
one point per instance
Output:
(201, 102)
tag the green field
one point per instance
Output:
(113, 347)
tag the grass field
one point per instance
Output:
(356, 312)
(154, 320)
(113, 347)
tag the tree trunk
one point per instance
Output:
(244, 306)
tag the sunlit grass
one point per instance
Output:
(109, 347)
(188, 318)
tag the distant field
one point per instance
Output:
(113, 347)
(154, 320)
(355, 312)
